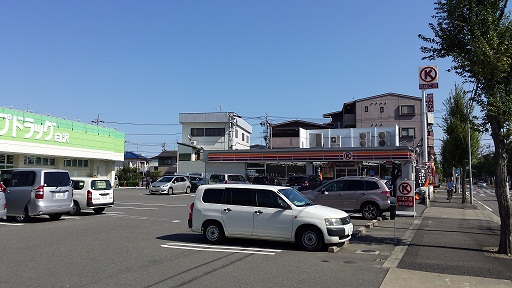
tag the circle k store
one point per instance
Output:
(33, 140)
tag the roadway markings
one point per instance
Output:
(146, 204)
(11, 224)
(215, 248)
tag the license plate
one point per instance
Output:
(59, 195)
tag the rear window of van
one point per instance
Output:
(56, 179)
(101, 185)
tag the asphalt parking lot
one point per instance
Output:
(144, 241)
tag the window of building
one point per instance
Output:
(197, 132)
(243, 136)
(381, 109)
(76, 163)
(407, 110)
(38, 160)
(247, 139)
(6, 161)
(236, 133)
(207, 132)
(365, 108)
(214, 132)
(408, 132)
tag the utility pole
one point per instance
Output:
(267, 132)
(97, 121)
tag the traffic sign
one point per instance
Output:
(428, 77)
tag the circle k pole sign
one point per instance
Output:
(405, 194)
(428, 77)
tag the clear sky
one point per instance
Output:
(144, 62)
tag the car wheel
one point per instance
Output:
(370, 211)
(75, 209)
(187, 191)
(213, 232)
(170, 191)
(98, 210)
(22, 218)
(310, 239)
(55, 216)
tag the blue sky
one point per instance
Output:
(144, 62)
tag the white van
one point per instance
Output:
(266, 212)
(91, 193)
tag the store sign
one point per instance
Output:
(405, 195)
(45, 131)
(27, 128)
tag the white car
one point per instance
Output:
(3, 205)
(482, 184)
(266, 212)
(91, 193)
(170, 185)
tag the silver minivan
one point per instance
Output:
(38, 191)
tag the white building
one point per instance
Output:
(211, 131)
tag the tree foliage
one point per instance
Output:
(128, 174)
(477, 36)
(456, 122)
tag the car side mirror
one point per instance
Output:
(323, 191)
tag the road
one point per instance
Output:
(486, 197)
(144, 241)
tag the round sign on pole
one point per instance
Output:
(428, 77)
(405, 188)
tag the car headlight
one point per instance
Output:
(332, 222)
(337, 221)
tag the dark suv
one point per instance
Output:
(267, 180)
(304, 182)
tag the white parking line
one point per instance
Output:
(149, 204)
(136, 208)
(11, 224)
(231, 249)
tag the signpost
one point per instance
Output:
(405, 202)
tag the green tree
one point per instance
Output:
(459, 111)
(477, 36)
(128, 174)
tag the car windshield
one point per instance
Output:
(295, 197)
(166, 179)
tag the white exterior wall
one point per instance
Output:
(216, 120)
(350, 137)
(219, 167)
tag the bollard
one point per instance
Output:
(124, 184)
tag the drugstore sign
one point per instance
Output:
(23, 126)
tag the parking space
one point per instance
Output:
(146, 238)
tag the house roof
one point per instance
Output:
(133, 155)
(389, 94)
(167, 154)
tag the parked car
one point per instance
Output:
(227, 179)
(481, 184)
(196, 181)
(39, 191)
(304, 182)
(3, 205)
(170, 184)
(368, 195)
(266, 212)
(267, 180)
(91, 193)
(5, 176)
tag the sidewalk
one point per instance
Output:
(450, 245)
